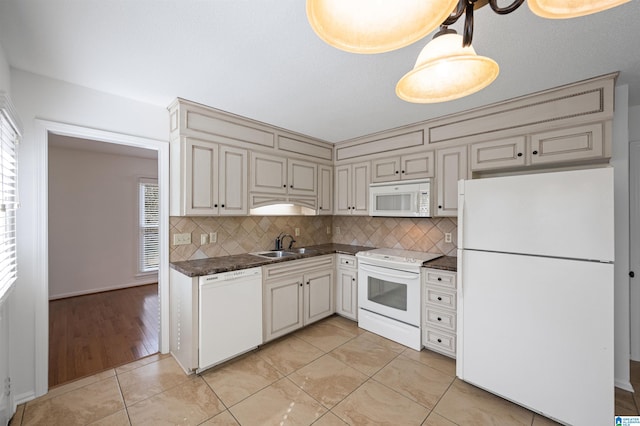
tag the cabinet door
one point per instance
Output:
(565, 145)
(417, 166)
(325, 190)
(268, 174)
(452, 166)
(385, 169)
(233, 181)
(499, 154)
(302, 178)
(360, 189)
(283, 306)
(343, 190)
(201, 177)
(318, 295)
(347, 293)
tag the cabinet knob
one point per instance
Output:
(439, 207)
(348, 208)
(353, 279)
(290, 186)
(403, 171)
(439, 340)
(308, 282)
(439, 278)
(284, 186)
(439, 319)
(346, 261)
(519, 154)
(439, 298)
(632, 274)
(222, 205)
(535, 152)
(215, 205)
(300, 284)
(397, 172)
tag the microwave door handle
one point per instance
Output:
(396, 274)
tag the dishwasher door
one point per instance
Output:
(230, 315)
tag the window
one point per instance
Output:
(9, 136)
(149, 224)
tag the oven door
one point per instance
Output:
(392, 293)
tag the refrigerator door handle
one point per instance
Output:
(461, 214)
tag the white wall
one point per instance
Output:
(93, 232)
(5, 81)
(37, 97)
(634, 123)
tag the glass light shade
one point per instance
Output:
(445, 71)
(376, 26)
(560, 9)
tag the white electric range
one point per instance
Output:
(389, 293)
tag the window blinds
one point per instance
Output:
(149, 225)
(8, 201)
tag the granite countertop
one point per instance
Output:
(446, 263)
(215, 265)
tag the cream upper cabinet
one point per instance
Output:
(268, 173)
(500, 154)
(411, 166)
(451, 167)
(280, 179)
(352, 189)
(325, 190)
(214, 180)
(568, 145)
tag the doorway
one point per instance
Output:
(102, 266)
(44, 130)
(634, 247)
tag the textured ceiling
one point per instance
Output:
(261, 59)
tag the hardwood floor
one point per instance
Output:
(95, 332)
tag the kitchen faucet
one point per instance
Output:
(280, 239)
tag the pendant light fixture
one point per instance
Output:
(375, 26)
(446, 70)
(448, 67)
(561, 9)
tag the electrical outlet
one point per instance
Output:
(213, 237)
(447, 237)
(337, 229)
(296, 232)
(181, 239)
(328, 230)
(204, 239)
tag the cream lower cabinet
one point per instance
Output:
(347, 286)
(439, 311)
(352, 189)
(451, 166)
(296, 293)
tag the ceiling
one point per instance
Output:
(261, 59)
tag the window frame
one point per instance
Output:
(145, 229)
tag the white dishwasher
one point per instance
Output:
(229, 315)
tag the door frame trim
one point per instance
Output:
(43, 128)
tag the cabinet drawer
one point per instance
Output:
(440, 341)
(440, 318)
(441, 297)
(440, 278)
(346, 261)
(297, 266)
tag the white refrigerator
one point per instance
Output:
(535, 291)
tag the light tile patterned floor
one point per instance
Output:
(330, 373)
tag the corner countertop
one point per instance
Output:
(446, 263)
(216, 265)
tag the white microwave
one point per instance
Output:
(411, 198)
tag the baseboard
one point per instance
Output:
(624, 385)
(22, 398)
(150, 280)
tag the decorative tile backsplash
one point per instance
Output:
(245, 234)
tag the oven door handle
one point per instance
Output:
(382, 271)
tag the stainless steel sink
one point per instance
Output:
(301, 250)
(274, 253)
